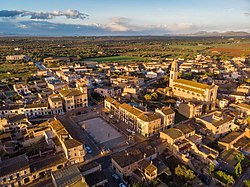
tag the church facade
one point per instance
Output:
(190, 90)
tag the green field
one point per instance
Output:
(115, 59)
(18, 70)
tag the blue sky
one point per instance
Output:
(127, 17)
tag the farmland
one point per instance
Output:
(115, 49)
(18, 70)
(116, 59)
(235, 49)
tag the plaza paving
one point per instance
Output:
(102, 132)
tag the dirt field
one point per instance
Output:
(232, 50)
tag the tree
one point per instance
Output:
(147, 97)
(154, 95)
(188, 76)
(239, 157)
(211, 168)
(185, 173)
(248, 120)
(238, 169)
(247, 183)
(228, 179)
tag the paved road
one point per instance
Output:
(152, 81)
(40, 66)
(79, 133)
(245, 74)
(245, 176)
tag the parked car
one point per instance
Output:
(122, 184)
(128, 130)
(115, 177)
(88, 149)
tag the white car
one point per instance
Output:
(129, 130)
(133, 132)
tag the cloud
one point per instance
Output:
(120, 24)
(123, 24)
(70, 14)
(116, 27)
(247, 13)
(22, 26)
(181, 27)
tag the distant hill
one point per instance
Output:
(228, 33)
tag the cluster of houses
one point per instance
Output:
(223, 122)
(216, 107)
(56, 149)
(186, 140)
(59, 162)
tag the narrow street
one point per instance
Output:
(245, 176)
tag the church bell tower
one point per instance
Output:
(173, 73)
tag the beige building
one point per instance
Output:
(218, 123)
(82, 85)
(56, 85)
(130, 92)
(147, 124)
(182, 140)
(69, 176)
(148, 169)
(105, 91)
(244, 88)
(243, 108)
(15, 57)
(56, 59)
(127, 80)
(236, 140)
(190, 109)
(73, 150)
(15, 123)
(189, 89)
(15, 171)
(55, 101)
(167, 116)
(20, 88)
(127, 161)
(73, 98)
(144, 123)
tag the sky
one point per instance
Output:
(122, 17)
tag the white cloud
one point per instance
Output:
(72, 14)
(181, 27)
(22, 26)
(120, 24)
